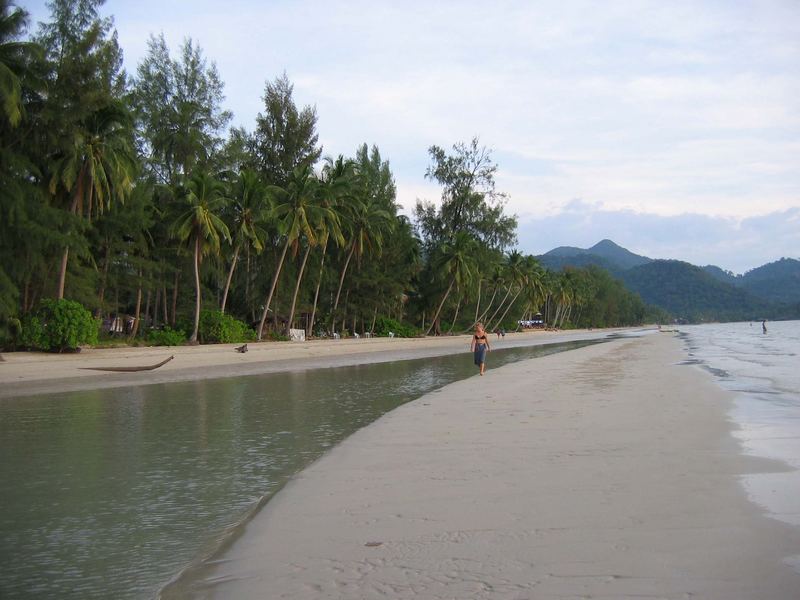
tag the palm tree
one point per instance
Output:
(293, 211)
(456, 260)
(335, 186)
(95, 165)
(249, 208)
(534, 292)
(14, 57)
(200, 227)
(517, 274)
(325, 224)
(368, 222)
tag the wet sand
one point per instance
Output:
(605, 472)
(30, 373)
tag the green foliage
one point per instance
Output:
(277, 337)
(59, 325)
(166, 337)
(384, 325)
(219, 327)
(285, 137)
(693, 294)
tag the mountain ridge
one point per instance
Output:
(690, 291)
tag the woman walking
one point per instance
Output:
(480, 346)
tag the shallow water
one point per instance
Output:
(110, 493)
(764, 371)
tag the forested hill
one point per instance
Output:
(690, 292)
(605, 254)
(777, 281)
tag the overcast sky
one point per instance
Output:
(672, 128)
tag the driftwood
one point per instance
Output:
(241, 349)
(129, 369)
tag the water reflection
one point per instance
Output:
(109, 493)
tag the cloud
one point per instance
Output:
(732, 244)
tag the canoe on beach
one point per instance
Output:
(129, 369)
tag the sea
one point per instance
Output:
(763, 369)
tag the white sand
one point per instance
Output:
(28, 373)
(605, 472)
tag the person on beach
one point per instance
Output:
(480, 346)
(764, 326)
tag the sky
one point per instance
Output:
(672, 128)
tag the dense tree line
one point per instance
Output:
(131, 194)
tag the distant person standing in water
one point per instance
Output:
(764, 326)
(480, 346)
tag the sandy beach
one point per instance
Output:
(29, 373)
(605, 472)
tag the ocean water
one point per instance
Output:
(764, 371)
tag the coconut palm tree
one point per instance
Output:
(294, 212)
(368, 222)
(249, 211)
(534, 293)
(515, 266)
(199, 226)
(325, 223)
(95, 166)
(456, 261)
(336, 184)
(14, 61)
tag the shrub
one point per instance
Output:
(216, 326)
(277, 337)
(166, 337)
(59, 325)
(384, 325)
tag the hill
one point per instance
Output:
(691, 293)
(605, 254)
(777, 281)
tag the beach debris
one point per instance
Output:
(373, 544)
(242, 349)
(128, 369)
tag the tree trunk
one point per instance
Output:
(522, 318)
(135, 328)
(62, 276)
(488, 308)
(478, 305)
(147, 306)
(441, 304)
(104, 280)
(230, 276)
(499, 306)
(247, 285)
(175, 299)
(193, 339)
(164, 294)
(374, 318)
(453, 324)
(341, 279)
(268, 301)
(316, 292)
(510, 304)
(156, 304)
(297, 289)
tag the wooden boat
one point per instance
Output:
(129, 369)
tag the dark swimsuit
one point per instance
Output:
(480, 349)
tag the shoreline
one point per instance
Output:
(608, 471)
(33, 373)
